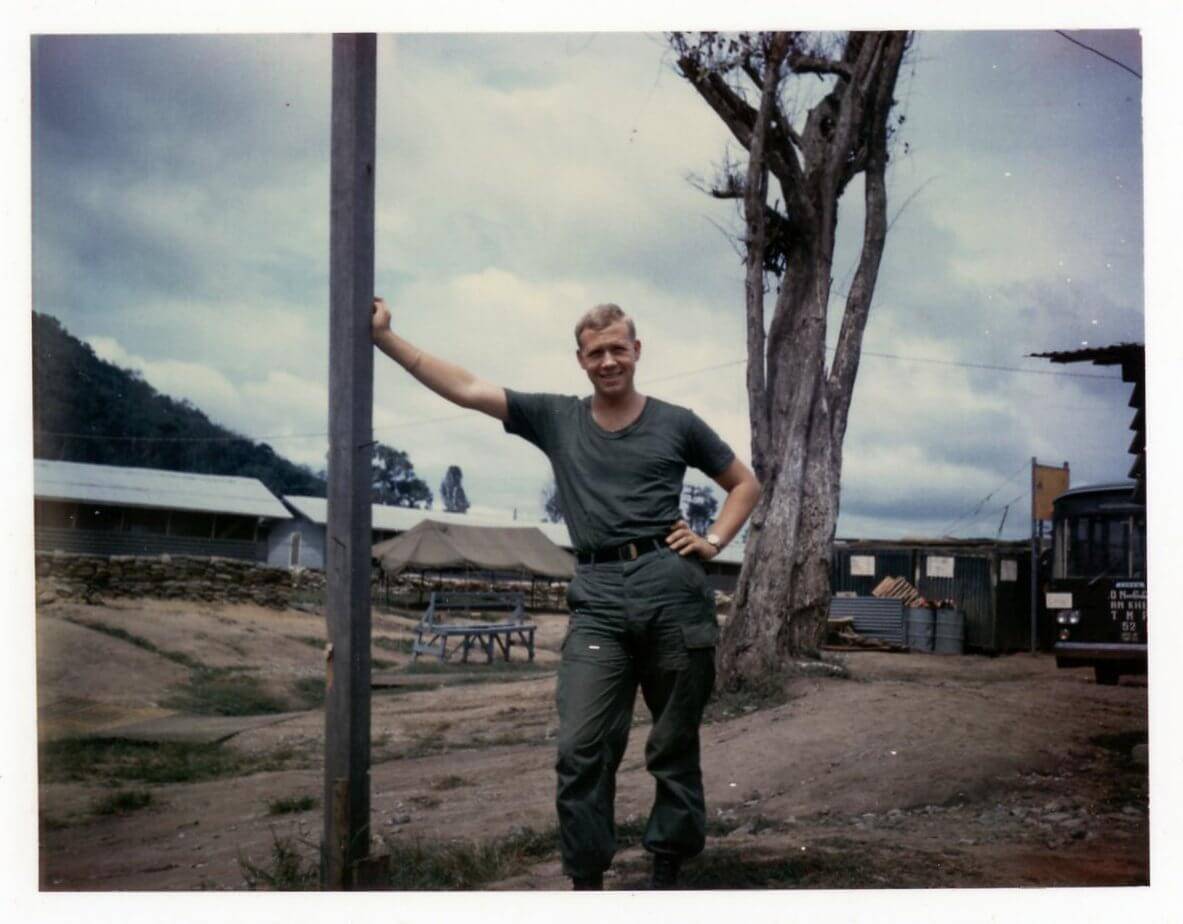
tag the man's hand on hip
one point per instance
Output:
(683, 540)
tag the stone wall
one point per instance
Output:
(91, 578)
(94, 578)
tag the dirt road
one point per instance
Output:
(911, 771)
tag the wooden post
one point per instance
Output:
(1034, 565)
(351, 387)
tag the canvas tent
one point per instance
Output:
(434, 546)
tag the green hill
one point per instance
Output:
(88, 410)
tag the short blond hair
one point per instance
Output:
(600, 317)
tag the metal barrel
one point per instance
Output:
(949, 637)
(918, 624)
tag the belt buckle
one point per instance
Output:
(631, 551)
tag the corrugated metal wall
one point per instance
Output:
(971, 587)
(113, 542)
(877, 617)
(889, 562)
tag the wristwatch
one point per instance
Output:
(713, 539)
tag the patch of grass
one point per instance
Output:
(477, 671)
(311, 641)
(224, 691)
(122, 802)
(140, 642)
(422, 746)
(310, 692)
(292, 805)
(401, 645)
(413, 866)
(451, 781)
(463, 865)
(1121, 742)
(288, 870)
(88, 759)
(837, 863)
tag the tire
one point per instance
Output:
(1107, 675)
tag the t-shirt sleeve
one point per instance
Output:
(531, 416)
(705, 449)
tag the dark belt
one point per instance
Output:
(625, 552)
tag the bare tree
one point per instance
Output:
(699, 506)
(798, 408)
(452, 491)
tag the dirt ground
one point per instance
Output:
(910, 771)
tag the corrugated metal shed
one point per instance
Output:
(989, 581)
(120, 486)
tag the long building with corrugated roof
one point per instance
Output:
(118, 510)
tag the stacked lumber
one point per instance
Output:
(899, 589)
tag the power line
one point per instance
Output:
(950, 362)
(992, 512)
(974, 511)
(449, 417)
(912, 359)
(1124, 67)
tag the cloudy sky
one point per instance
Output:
(180, 226)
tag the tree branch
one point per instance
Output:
(740, 118)
(779, 127)
(858, 300)
(812, 64)
(755, 204)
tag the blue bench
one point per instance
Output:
(436, 630)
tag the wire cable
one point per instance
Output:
(275, 437)
(1124, 67)
(981, 503)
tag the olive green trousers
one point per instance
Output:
(648, 623)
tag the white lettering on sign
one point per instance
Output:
(1061, 601)
(939, 566)
(1008, 570)
(862, 565)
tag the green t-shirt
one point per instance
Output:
(616, 486)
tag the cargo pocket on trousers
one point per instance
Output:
(700, 639)
(700, 635)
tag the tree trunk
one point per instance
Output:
(783, 594)
(798, 412)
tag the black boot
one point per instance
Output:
(592, 883)
(665, 871)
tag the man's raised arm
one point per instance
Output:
(446, 379)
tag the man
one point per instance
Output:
(641, 611)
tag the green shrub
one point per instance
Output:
(122, 802)
(292, 805)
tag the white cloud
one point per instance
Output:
(183, 226)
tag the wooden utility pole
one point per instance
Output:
(351, 389)
(1035, 526)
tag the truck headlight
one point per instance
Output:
(1068, 617)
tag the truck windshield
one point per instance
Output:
(1097, 545)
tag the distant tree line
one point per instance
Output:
(86, 409)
